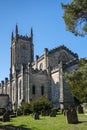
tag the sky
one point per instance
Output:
(49, 30)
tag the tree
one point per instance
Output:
(82, 62)
(77, 81)
(75, 17)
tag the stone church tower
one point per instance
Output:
(22, 53)
(32, 78)
(22, 50)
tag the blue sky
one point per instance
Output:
(45, 17)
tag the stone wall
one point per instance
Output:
(39, 80)
(55, 87)
(4, 100)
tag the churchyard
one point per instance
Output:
(39, 115)
(59, 122)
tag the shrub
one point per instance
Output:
(39, 104)
(34, 106)
(24, 109)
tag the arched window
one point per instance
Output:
(41, 66)
(42, 90)
(33, 89)
(20, 89)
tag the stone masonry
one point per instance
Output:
(30, 79)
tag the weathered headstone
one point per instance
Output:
(43, 112)
(71, 116)
(6, 117)
(64, 111)
(53, 113)
(80, 109)
(36, 116)
(47, 112)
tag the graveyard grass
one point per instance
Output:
(48, 123)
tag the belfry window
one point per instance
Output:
(42, 90)
(33, 89)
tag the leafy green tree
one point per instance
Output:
(75, 17)
(82, 62)
(77, 82)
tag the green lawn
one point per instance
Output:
(48, 123)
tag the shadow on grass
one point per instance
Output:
(11, 127)
(34, 128)
(82, 121)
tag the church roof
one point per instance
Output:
(62, 47)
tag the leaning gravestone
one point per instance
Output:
(36, 116)
(80, 109)
(71, 116)
(53, 113)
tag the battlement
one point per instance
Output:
(39, 71)
(17, 36)
(27, 38)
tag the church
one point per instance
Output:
(31, 78)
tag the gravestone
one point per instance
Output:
(43, 112)
(80, 109)
(47, 112)
(53, 114)
(71, 116)
(65, 111)
(6, 117)
(36, 116)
